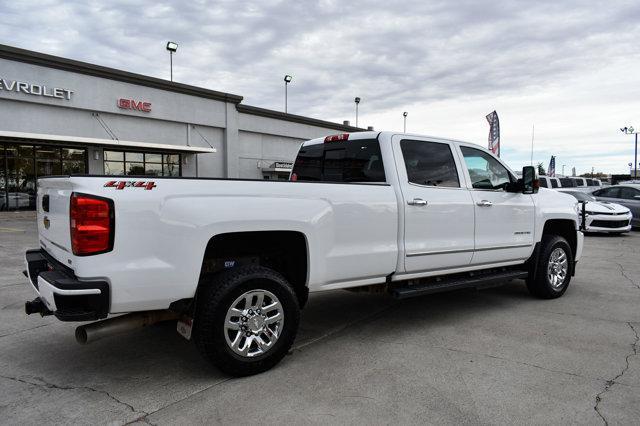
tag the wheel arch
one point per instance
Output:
(565, 228)
(286, 252)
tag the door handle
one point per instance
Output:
(484, 203)
(417, 202)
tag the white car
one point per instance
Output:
(235, 259)
(550, 182)
(602, 216)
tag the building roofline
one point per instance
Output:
(279, 115)
(37, 58)
(51, 61)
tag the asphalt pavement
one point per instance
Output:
(495, 356)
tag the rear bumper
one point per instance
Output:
(62, 293)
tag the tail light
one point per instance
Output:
(92, 224)
(337, 138)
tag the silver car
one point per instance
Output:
(627, 194)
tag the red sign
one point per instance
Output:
(135, 105)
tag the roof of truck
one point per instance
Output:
(375, 134)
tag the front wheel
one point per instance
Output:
(246, 320)
(553, 271)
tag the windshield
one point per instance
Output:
(581, 196)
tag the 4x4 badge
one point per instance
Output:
(122, 184)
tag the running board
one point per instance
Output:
(456, 283)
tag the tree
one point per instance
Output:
(541, 170)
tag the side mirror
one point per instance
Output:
(530, 182)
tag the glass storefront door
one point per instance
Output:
(21, 164)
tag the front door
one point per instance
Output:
(504, 220)
(439, 212)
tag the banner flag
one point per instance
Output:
(552, 167)
(494, 133)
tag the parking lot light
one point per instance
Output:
(287, 80)
(631, 131)
(172, 47)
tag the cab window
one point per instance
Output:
(484, 170)
(341, 161)
(429, 163)
(543, 182)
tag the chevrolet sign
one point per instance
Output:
(35, 89)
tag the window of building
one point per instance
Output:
(141, 163)
(21, 164)
(485, 171)
(429, 163)
(345, 161)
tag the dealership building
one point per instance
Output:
(59, 116)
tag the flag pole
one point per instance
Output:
(533, 131)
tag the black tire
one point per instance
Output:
(214, 300)
(541, 286)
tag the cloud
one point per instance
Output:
(566, 66)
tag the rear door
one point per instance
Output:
(438, 209)
(504, 220)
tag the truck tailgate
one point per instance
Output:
(52, 205)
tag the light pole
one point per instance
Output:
(357, 101)
(631, 131)
(287, 80)
(404, 114)
(171, 47)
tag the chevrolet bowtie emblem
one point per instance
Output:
(46, 222)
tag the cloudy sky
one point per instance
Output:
(571, 68)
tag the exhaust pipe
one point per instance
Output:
(97, 330)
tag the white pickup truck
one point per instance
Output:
(234, 260)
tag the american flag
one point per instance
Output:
(494, 133)
(552, 167)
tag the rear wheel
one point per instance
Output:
(553, 271)
(246, 320)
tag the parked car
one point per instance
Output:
(603, 216)
(235, 259)
(550, 182)
(580, 183)
(628, 195)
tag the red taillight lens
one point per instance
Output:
(91, 225)
(336, 138)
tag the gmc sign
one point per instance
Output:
(134, 105)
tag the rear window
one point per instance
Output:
(567, 183)
(554, 183)
(543, 182)
(340, 161)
